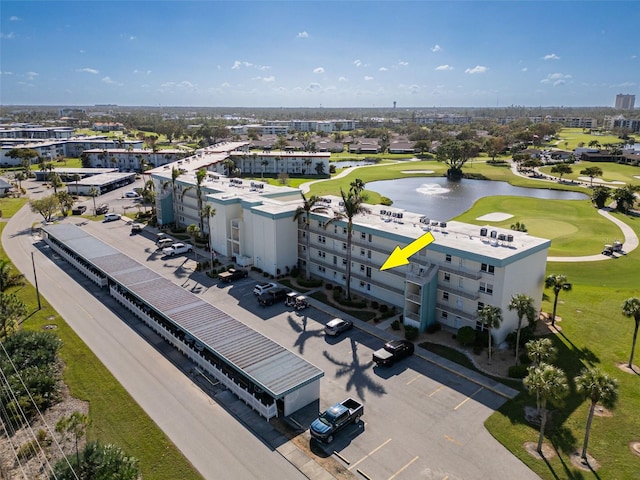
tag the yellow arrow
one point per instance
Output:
(400, 256)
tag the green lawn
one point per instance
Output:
(575, 136)
(610, 172)
(115, 416)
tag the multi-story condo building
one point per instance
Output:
(625, 101)
(465, 268)
(132, 160)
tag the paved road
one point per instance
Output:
(211, 439)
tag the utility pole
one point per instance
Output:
(35, 278)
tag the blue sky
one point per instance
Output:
(311, 54)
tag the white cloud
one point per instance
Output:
(476, 69)
(13, 18)
(8, 36)
(88, 70)
(82, 51)
(6, 73)
(225, 85)
(168, 85)
(383, 69)
(314, 87)
(342, 79)
(237, 64)
(266, 79)
(524, 69)
(556, 79)
(31, 75)
(302, 35)
(186, 84)
(357, 63)
(142, 72)
(403, 64)
(623, 85)
(318, 70)
(414, 89)
(444, 67)
(110, 81)
(367, 78)
(551, 56)
(436, 48)
(132, 37)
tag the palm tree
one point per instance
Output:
(491, 317)
(12, 311)
(550, 385)
(304, 212)
(229, 165)
(175, 173)
(94, 192)
(9, 279)
(193, 231)
(599, 387)
(592, 172)
(264, 163)
(523, 305)
(149, 193)
(631, 308)
(254, 157)
(207, 212)
(55, 181)
(558, 283)
(76, 178)
(353, 205)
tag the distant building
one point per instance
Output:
(625, 101)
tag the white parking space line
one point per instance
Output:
(403, 468)
(468, 398)
(368, 455)
(414, 379)
(436, 390)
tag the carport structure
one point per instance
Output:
(268, 377)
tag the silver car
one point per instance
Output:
(337, 326)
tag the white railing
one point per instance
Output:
(94, 277)
(267, 411)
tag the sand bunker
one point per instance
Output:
(417, 171)
(495, 217)
(599, 180)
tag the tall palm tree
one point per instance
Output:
(523, 305)
(264, 163)
(173, 183)
(353, 205)
(550, 385)
(254, 157)
(207, 212)
(631, 308)
(541, 350)
(193, 231)
(599, 387)
(8, 278)
(94, 192)
(201, 174)
(149, 193)
(304, 212)
(558, 283)
(491, 317)
(76, 178)
(55, 181)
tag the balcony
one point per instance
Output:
(461, 272)
(460, 293)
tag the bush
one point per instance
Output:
(411, 332)
(518, 371)
(328, 286)
(395, 325)
(375, 305)
(477, 349)
(482, 338)
(466, 336)
(434, 327)
(384, 308)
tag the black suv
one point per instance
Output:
(79, 210)
(272, 296)
(102, 209)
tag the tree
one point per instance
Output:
(8, 278)
(19, 177)
(353, 205)
(319, 168)
(12, 311)
(523, 305)
(631, 308)
(561, 169)
(55, 181)
(207, 212)
(149, 193)
(201, 174)
(75, 425)
(229, 165)
(592, 172)
(264, 163)
(594, 144)
(599, 195)
(94, 192)
(541, 350)
(76, 178)
(422, 146)
(550, 385)
(194, 231)
(173, 183)
(491, 317)
(65, 201)
(599, 387)
(493, 146)
(98, 462)
(625, 198)
(303, 212)
(45, 206)
(455, 154)
(26, 157)
(557, 283)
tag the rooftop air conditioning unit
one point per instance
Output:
(483, 232)
(494, 234)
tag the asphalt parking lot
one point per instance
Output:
(420, 420)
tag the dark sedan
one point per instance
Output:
(393, 351)
(272, 296)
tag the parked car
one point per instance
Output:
(112, 217)
(132, 194)
(272, 296)
(335, 418)
(337, 326)
(79, 210)
(177, 249)
(102, 209)
(165, 243)
(136, 227)
(261, 288)
(233, 274)
(392, 351)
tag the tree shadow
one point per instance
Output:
(360, 378)
(303, 333)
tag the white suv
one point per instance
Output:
(264, 287)
(177, 249)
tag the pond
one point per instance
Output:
(443, 199)
(351, 163)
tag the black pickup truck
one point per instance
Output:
(392, 351)
(272, 296)
(233, 274)
(335, 418)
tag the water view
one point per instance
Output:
(439, 198)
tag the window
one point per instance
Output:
(486, 288)
(344, 261)
(460, 283)
(344, 230)
(361, 284)
(335, 229)
(321, 269)
(363, 235)
(368, 253)
(480, 306)
(362, 252)
(445, 296)
(361, 268)
(322, 239)
(321, 254)
(321, 223)
(487, 268)
(335, 260)
(447, 258)
(447, 277)
(444, 315)
(368, 272)
(370, 237)
(344, 246)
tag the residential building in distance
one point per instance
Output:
(625, 101)
(126, 160)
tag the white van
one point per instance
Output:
(164, 243)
